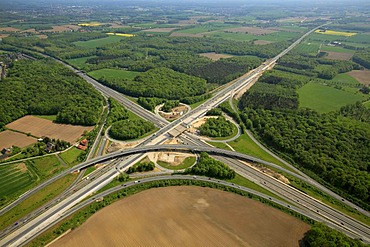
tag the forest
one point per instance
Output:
(117, 112)
(336, 149)
(44, 87)
(160, 82)
(210, 167)
(321, 235)
(130, 129)
(217, 127)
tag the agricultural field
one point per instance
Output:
(328, 48)
(339, 55)
(14, 178)
(192, 215)
(10, 138)
(122, 34)
(45, 167)
(71, 156)
(98, 42)
(79, 62)
(90, 24)
(215, 56)
(308, 48)
(272, 37)
(250, 30)
(114, 74)
(362, 76)
(42, 127)
(360, 38)
(262, 42)
(160, 30)
(324, 99)
(338, 33)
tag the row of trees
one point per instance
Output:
(44, 87)
(217, 127)
(130, 129)
(363, 58)
(207, 166)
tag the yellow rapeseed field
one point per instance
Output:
(332, 32)
(91, 24)
(122, 34)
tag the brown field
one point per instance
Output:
(160, 30)
(3, 36)
(62, 28)
(339, 55)
(251, 30)
(9, 138)
(214, 56)
(362, 76)
(31, 30)
(198, 35)
(42, 127)
(42, 36)
(187, 216)
(262, 42)
(9, 29)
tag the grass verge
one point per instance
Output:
(36, 201)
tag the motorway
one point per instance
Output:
(157, 138)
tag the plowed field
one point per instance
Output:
(42, 127)
(187, 216)
(9, 138)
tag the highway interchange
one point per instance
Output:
(65, 204)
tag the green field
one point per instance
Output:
(324, 98)
(336, 49)
(14, 178)
(70, 156)
(79, 62)
(98, 42)
(308, 48)
(213, 26)
(360, 38)
(46, 166)
(114, 74)
(35, 201)
(273, 37)
(47, 117)
(367, 104)
(244, 144)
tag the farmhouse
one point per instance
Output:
(83, 144)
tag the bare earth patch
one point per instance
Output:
(9, 138)
(215, 56)
(339, 55)
(362, 76)
(3, 36)
(9, 29)
(160, 30)
(62, 28)
(175, 113)
(251, 30)
(262, 42)
(22, 167)
(43, 127)
(187, 216)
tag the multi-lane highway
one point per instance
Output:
(341, 221)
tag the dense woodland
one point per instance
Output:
(334, 148)
(130, 129)
(210, 167)
(116, 112)
(160, 82)
(141, 167)
(321, 235)
(45, 87)
(217, 127)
